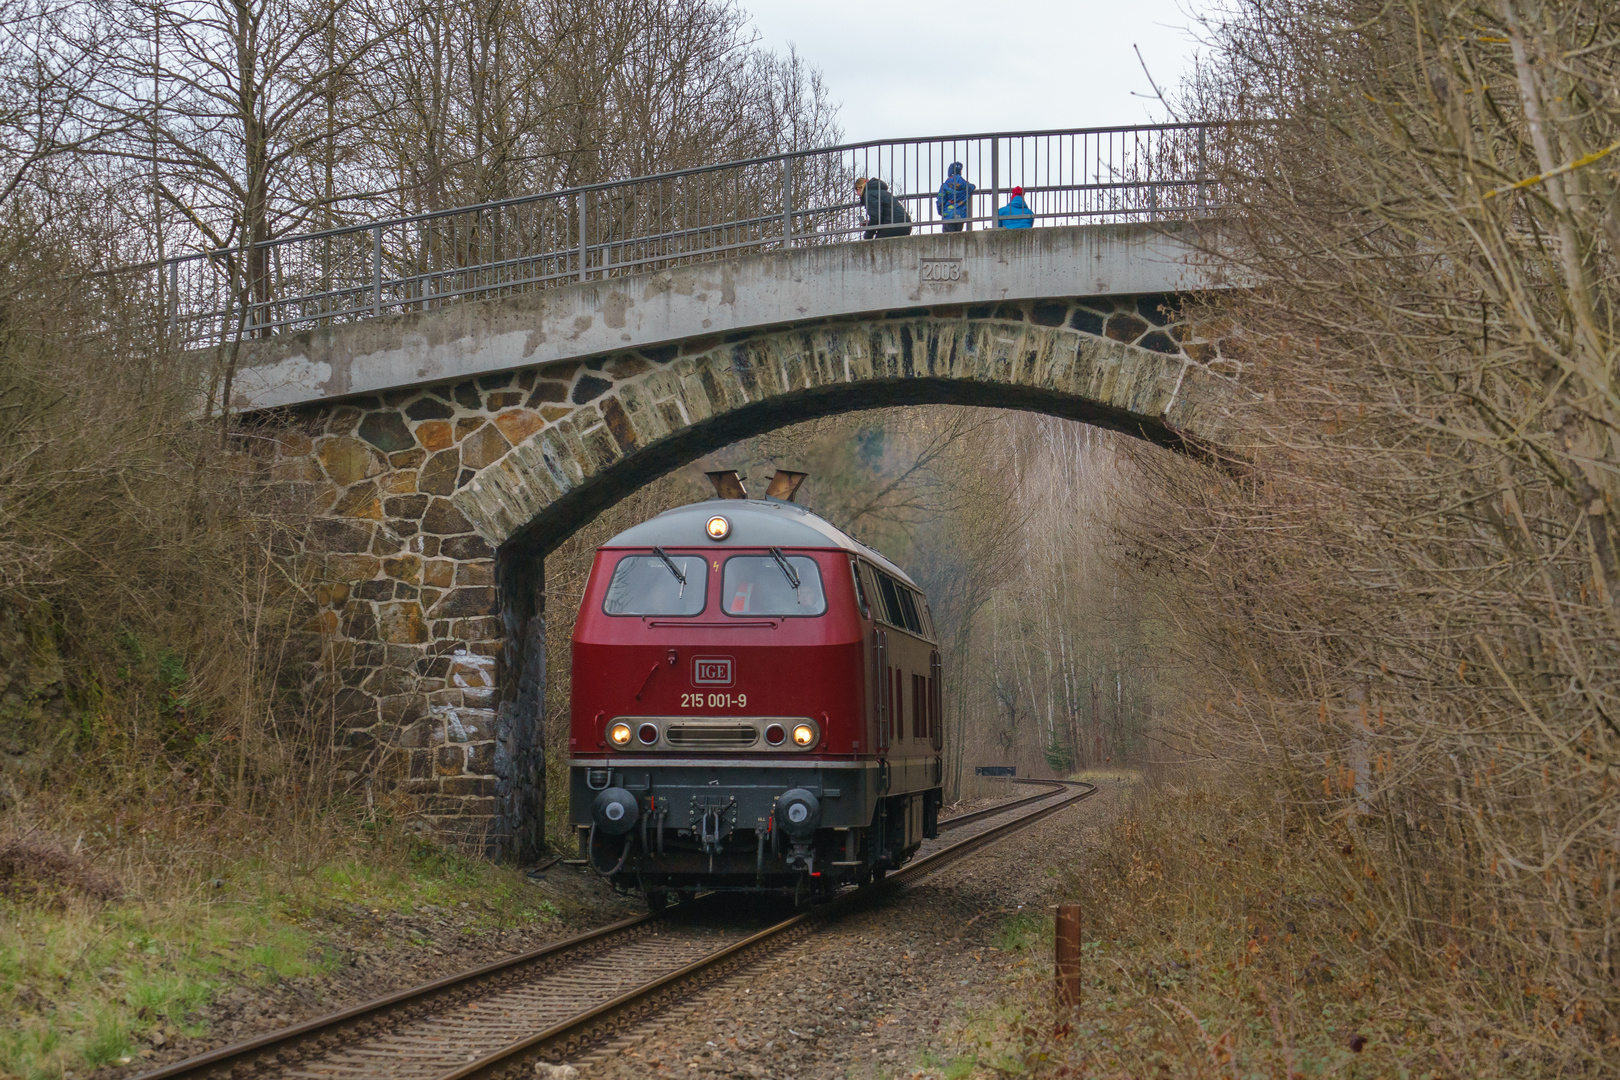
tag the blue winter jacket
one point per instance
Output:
(1016, 214)
(955, 196)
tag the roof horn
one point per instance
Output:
(727, 484)
(784, 485)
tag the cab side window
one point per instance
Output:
(890, 598)
(895, 603)
(908, 609)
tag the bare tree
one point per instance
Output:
(1405, 595)
(54, 60)
(239, 104)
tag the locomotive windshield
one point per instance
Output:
(646, 585)
(759, 585)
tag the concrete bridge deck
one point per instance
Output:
(715, 299)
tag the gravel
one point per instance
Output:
(867, 996)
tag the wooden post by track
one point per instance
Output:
(1067, 952)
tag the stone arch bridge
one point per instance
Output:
(445, 453)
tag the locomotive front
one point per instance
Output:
(726, 731)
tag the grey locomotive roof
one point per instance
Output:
(755, 523)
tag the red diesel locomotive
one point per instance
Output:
(756, 703)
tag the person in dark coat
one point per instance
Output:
(955, 199)
(882, 209)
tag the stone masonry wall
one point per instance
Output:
(417, 492)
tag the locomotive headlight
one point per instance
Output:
(620, 734)
(718, 528)
(804, 735)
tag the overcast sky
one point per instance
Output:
(905, 68)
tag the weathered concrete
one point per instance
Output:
(837, 281)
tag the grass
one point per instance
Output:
(84, 984)
(1023, 932)
(1213, 948)
(1114, 776)
(934, 1065)
(89, 984)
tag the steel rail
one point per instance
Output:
(958, 820)
(274, 1040)
(626, 1007)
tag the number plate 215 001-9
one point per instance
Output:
(714, 701)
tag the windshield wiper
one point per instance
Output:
(669, 562)
(793, 578)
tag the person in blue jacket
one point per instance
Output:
(955, 199)
(1016, 214)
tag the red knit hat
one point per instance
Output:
(1017, 191)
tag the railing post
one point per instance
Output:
(251, 302)
(174, 296)
(376, 269)
(787, 201)
(995, 179)
(1203, 198)
(584, 248)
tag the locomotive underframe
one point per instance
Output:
(714, 825)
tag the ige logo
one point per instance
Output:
(711, 671)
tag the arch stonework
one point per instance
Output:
(436, 505)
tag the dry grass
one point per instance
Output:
(122, 920)
(45, 875)
(1398, 600)
(171, 803)
(1108, 776)
(1218, 942)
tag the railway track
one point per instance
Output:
(554, 1002)
(956, 821)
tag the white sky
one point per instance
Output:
(904, 68)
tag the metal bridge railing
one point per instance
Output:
(806, 198)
